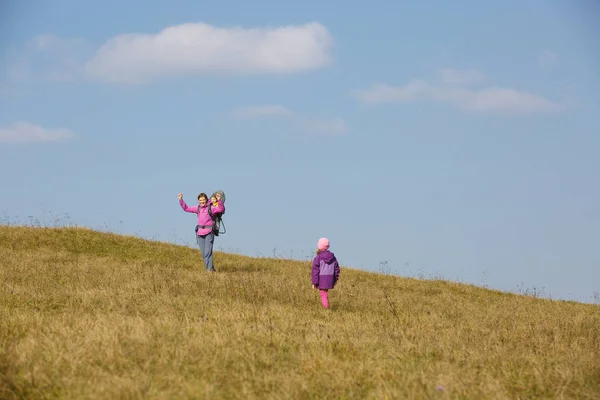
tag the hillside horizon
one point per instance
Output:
(383, 265)
(89, 314)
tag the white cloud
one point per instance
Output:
(462, 76)
(185, 49)
(333, 126)
(261, 111)
(29, 133)
(489, 99)
(547, 58)
(199, 48)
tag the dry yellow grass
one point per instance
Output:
(89, 315)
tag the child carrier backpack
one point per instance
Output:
(217, 219)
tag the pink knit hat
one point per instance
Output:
(323, 244)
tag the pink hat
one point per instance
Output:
(323, 244)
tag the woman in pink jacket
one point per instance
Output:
(205, 236)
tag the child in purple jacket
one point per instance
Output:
(325, 271)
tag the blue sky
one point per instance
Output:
(456, 139)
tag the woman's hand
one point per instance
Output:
(314, 286)
(180, 196)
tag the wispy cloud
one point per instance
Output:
(496, 99)
(261, 111)
(332, 126)
(25, 132)
(462, 76)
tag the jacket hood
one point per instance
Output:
(327, 256)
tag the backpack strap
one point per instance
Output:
(217, 221)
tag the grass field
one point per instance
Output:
(90, 315)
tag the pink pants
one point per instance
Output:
(324, 298)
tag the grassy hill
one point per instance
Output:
(87, 315)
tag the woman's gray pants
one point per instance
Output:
(205, 243)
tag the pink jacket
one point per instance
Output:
(204, 219)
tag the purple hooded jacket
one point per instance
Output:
(325, 270)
